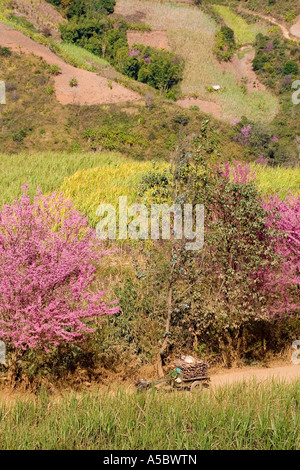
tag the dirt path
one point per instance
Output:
(41, 14)
(243, 69)
(285, 373)
(295, 29)
(286, 33)
(208, 107)
(92, 89)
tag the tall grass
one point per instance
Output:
(244, 33)
(46, 170)
(89, 188)
(91, 178)
(239, 416)
(280, 180)
(81, 57)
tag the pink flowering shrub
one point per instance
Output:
(282, 278)
(48, 260)
(284, 285)
(238, 172)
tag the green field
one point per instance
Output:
(280, 180)
(89, 178)
(86, 178)
(244, 33)
(232, 417)
(191, 35)
(81, 57)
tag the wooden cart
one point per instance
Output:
(174, 383)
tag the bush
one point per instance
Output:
(48, 260)
(291, 67)
(90, 7)
(225, 44)
(73, 82)
(219, 297)
(5, 52)
(160, 69)
(54, 69)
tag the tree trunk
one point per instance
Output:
(165, 345)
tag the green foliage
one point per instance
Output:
(291, 68)
(275, 58)
(284, 9)
(107, 38)
(276, 62)
(89, 8)
(113, 139)
(160, 69)
(50, 90)
(244, 33)
(54, 69)
(225, 45)
(5, 51)
(73, 82)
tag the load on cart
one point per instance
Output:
(185, 374)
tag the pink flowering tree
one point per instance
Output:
(281, 279)
(48, 260)
(284, 284)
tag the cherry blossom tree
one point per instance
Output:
(48, 261)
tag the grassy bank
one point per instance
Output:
(234, 417)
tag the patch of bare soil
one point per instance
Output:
(91, 89)
(157, 39)
(295, 29)
(41, 14)
(286, 373)
(136, 17)
(207, 107)
(242, 67)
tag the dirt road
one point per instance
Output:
(287, 373)
(91, 88)
(295, 29)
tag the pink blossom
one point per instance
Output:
(261, 160)
(284, 220)
(48, 260)
(238, 172)
(134, 53)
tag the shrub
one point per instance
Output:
(291, 67)
(160, 69)
(90, 7)
(50, 90)
(5, 51)
(73, 82)
(54, 69)
(225, 44)
(48, 260)
(222, 295)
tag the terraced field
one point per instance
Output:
(191, 34)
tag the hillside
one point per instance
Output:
(242, 92)
(164, 103)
